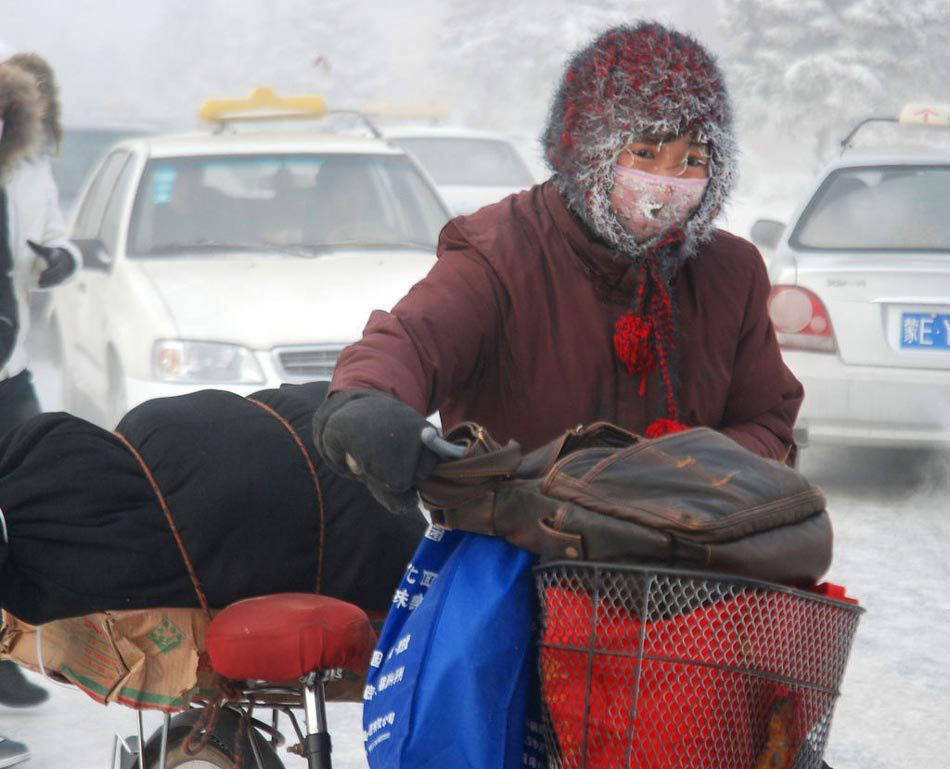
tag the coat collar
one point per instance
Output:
(600, 261)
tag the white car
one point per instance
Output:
(235, 261)
(470, 168)
(861, 299)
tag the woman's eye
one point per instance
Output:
(642, 153)
(697, 160)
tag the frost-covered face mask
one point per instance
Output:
(646, 204)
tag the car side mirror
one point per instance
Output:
(767, 232)
(95, 255)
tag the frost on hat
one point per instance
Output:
(633, 81)
(42, 73)
(20, 112)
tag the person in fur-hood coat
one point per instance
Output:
(605, 293)
(34, 251)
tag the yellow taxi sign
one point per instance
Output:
(937, 115)
(263, 104)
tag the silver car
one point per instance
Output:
(470, 168)
(861, 299)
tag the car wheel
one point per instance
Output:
(116, 399)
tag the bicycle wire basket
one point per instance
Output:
(650, 668)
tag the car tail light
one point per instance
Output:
(800, 319)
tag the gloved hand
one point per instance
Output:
(381, 434)
(60, 264)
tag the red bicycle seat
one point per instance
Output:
(284, 636)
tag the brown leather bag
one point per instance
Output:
(693, 499)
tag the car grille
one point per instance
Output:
(306, 364)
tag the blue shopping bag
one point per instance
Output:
(453, 680)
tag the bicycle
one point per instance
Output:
(657, 666)
(639, 666)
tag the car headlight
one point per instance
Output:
(175, 360)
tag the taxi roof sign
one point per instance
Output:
(933, 115)
(937, 115)
(263, 104)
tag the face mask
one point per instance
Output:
(647, 204)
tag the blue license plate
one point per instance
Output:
(925, 330)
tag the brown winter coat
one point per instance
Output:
(513, 329)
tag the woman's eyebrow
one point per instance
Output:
(654, 139)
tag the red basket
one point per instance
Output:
(655, 669)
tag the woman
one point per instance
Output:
(29, 211)
(34, 252)
(605, 293)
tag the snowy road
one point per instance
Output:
(891, 514)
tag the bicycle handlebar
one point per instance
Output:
(438, 445)
(431, 439)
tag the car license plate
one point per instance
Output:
(925, 331)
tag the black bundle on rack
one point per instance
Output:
(94, 519)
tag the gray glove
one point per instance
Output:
(375, 437)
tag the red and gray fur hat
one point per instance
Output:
(632, 81)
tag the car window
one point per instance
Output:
(469, 162)
(274, 202)
(112, 218)
(407, 184)
(82, 148)
(892, 208)
(94, 202)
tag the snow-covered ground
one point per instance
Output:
(891, 513)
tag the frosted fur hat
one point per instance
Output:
(634, 81)
(42, 73)
(21, 112)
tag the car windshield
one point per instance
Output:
(882, 208)
(286, 203)
(469, 162)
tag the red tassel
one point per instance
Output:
(633, 344)
(661, 427)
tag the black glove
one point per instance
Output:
(381, 436)
(60, 264)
